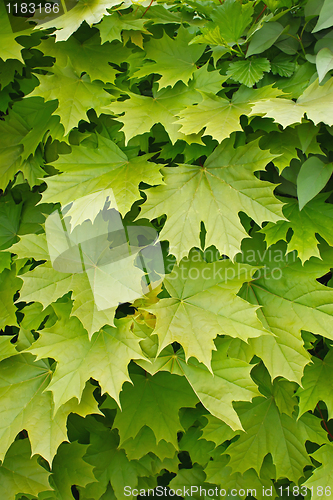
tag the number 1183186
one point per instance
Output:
(32, 8)
(295, 491)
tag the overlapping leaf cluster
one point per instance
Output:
(213, 121)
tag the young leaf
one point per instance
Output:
(312, 178)
(249, 71)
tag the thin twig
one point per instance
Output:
(324, 422)
(151, 1)
(263, 10)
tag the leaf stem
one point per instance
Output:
(263, 10)
(151, 1)
(324, 422)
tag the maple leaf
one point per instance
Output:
(111, 26)
(315, 102)
(75, 93)
(25, 380)
(9, 285)
(69, 468)
(174, 58)
(9, 47)
(232, 19)
(314, 385)
(80, 358)
(292, 300)
(110, 464)
(143, 112)
(322, 477)
(88, 56)
(21, 473)
(217, 388)
(145, 442)
(90, 11)
(314, 218)
(219, 472)
(268, 431)
(286, 143)
(217, 431)
(214, 193)
(90, 170)
(220, 116)
(155, 402)
(199, 310)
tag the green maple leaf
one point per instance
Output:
(216, 430)
(232, 19)
(213, 193)
(322, 477)
(110, 465)
(80, 358)
(7, 349)
(268, 431)
(21, 473)
(155, 402)
(10, 214)
(8, 70)
(286, 143)
(314, 385)
(174, 58)
(292, 300)
(220, 116)
(24, 380)
(69, 468)
(45, 285)
(111, 26)
(145, 442)
(9, 285)
(198, 449)
(31, 246)
(316, 217)
(88, 56)
(249, 71)
(75, 93)
(143, 112)
(229, 380)
(315, 102)
(90, 11)
(90, 170)
(9, 47)
(200, 309)
(218, 472)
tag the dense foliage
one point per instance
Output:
(209, 122)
